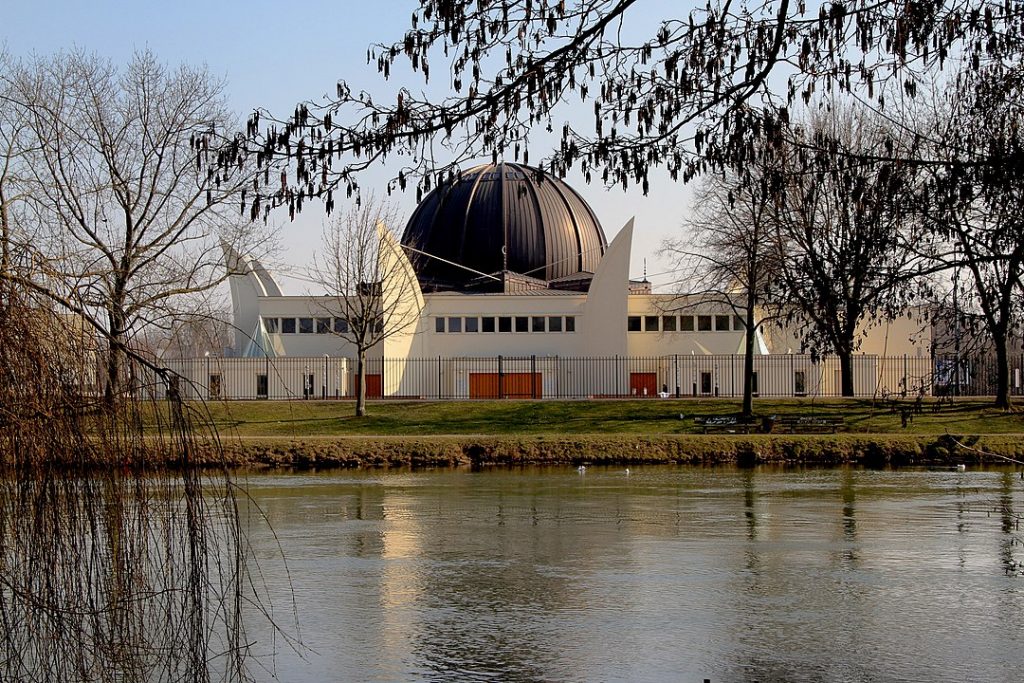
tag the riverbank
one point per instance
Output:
(876, 450)
(480, 433)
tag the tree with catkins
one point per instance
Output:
(700, 91)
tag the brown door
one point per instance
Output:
(509, 385)
(643, 384)
(373, 386)
(523, 385)
(483, 385)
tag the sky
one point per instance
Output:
(273, 56)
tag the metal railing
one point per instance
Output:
(575, 377)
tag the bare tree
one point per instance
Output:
(15, 145)
(727, 257)
(842, 233)
(128, 207)
(373, 292)
(979, 212)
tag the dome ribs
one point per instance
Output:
(503, 216)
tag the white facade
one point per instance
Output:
(650, 342)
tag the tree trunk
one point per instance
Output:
(846, 371)
(748, 358)
(1002, 371)
(361, 388)
(115, 358)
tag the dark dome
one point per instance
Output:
(499, 218)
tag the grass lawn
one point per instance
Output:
(565, 418)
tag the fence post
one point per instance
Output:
(675, 360)
(533, 376)
(439, 377)
(618, 377)
(501, 379)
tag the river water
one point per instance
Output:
(665, 574)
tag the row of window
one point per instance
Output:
(683, 323)
(506, 323)
(305, 325)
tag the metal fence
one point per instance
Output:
(538, 377)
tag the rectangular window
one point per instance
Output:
(472, 325)
(271, 325)
(570, 323)
(633, 323)
(522, 323)
(455, 324)
(488, 324)
(538, 323)
(323, 325)
(555, 323)
(261, 386)
(650, 323)
(340, 326)
(686, 323)
(668, 323)
(737, 323)
(705, 382)
(438, 324)
(799, 383)
(504, 324)
(305, 326)
(722, 323)
(703, 323)
(288, 325)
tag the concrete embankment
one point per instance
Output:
(461, 450)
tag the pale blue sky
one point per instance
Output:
(273, 55)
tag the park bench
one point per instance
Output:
(795, 425)
(722, 423)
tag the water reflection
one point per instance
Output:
(669, 574)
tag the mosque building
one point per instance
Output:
(509, 288)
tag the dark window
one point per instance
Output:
(722, 323)
(488, 324)
(305, 326)
(340, 326)
(799, 382)
(633, 323)
(668, 323)
(323, 325)
(261, 386)
(504, 324)
(538, 323)
(570, 323)
(555, 323)
(686, 323)
(288, 325)
(378, 326)
(650, 323)
(705, 382)
(438, 324)
(455, 324)
(214, 387)
(472, 324)
(737, 323)
(522, 323)
(271, 325)
(704, 323)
